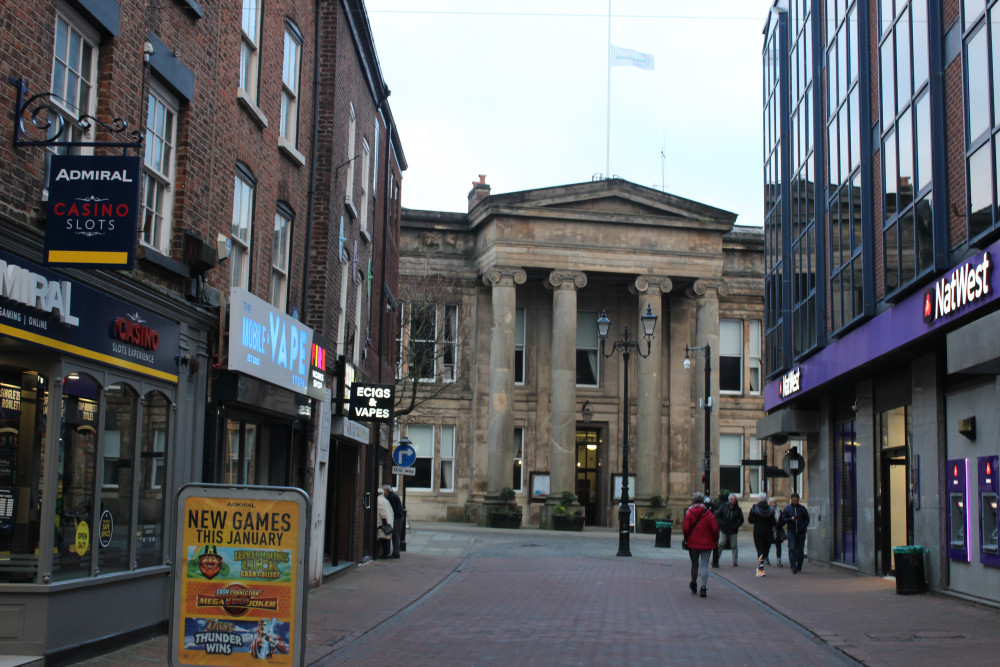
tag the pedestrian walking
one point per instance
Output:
(730, 518)
(779, 532)
(763, 520)
(397, 518)
(701, 535)
(383, 523)
(795, 518)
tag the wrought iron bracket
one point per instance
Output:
(40, 115)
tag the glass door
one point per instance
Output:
(588, 465)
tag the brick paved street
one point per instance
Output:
(463, 595)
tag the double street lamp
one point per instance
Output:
(626, 344)
(707, 462)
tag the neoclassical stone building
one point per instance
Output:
(499, 310)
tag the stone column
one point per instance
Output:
(707, 292)
(500, 457)
(562, 425)
(649, 419)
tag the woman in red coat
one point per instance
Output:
(701, 531)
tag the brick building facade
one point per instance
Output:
(268, 179)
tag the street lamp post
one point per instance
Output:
(707, 463)
(626, 344)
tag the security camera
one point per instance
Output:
(148, 51)
(223, 245)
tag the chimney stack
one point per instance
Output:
(479, 191)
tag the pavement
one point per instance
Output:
(858, 619)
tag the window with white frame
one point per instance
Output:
(518, 458)
(279, 257)
(365, 175)
(343, 339)
(422, 437)
(449, 344)
(158, 168)
(242, 233)
(250, 48)
(731, 356)
(375, 160)
(358, 301)
(519, 321)
(587, 367)
(291, 65)
(423, 334)
(756, 366)
(352, 130)
(755, 474)
(447, 458)
(731, 463)
(74, 74)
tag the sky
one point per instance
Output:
(518, 90)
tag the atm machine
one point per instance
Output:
(958, 506)
(988, 543)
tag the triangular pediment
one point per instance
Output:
(610, 200)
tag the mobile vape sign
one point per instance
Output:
(239, 576)
(92, 211)
(268, 344)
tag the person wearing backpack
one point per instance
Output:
(764, 520)
(701, 535)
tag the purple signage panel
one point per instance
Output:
(960, 291)
(45, 308)
(957, 493)
(988, 543)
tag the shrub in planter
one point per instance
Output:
(507, 515)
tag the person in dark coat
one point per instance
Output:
(730, 518)
(397, 518)
(702, 534)
(763, 519)
(796, 519)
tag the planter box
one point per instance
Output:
(501, 520)
(566, 522)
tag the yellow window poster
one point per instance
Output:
(240, 576)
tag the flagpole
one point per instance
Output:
(607, 164)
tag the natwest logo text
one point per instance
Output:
(790, 382)
(965, 285)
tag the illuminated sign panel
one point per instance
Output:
(966, 285)
(268, 344)
(372, 402)
(791, 382)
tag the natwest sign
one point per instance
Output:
(965, 285)
(791, 382)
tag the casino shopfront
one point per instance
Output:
(101, 414)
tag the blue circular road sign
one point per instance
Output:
(404, 456)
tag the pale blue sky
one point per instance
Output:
(518, 90)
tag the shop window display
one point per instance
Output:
(76, 465)
(114, 520)
(23, 402)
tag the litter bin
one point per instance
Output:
(663, 529)
(910, 577)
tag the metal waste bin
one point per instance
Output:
(910, 578)
(663, 529)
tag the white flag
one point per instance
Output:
(621, 56)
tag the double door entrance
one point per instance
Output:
(894, 497)
(591, 487)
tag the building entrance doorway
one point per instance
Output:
(588, 474)
(895, 508)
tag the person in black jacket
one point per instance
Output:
(796, 517)
(730, 518)
(763, 520)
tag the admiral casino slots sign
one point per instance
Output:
(92, 212)
(239, 591)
